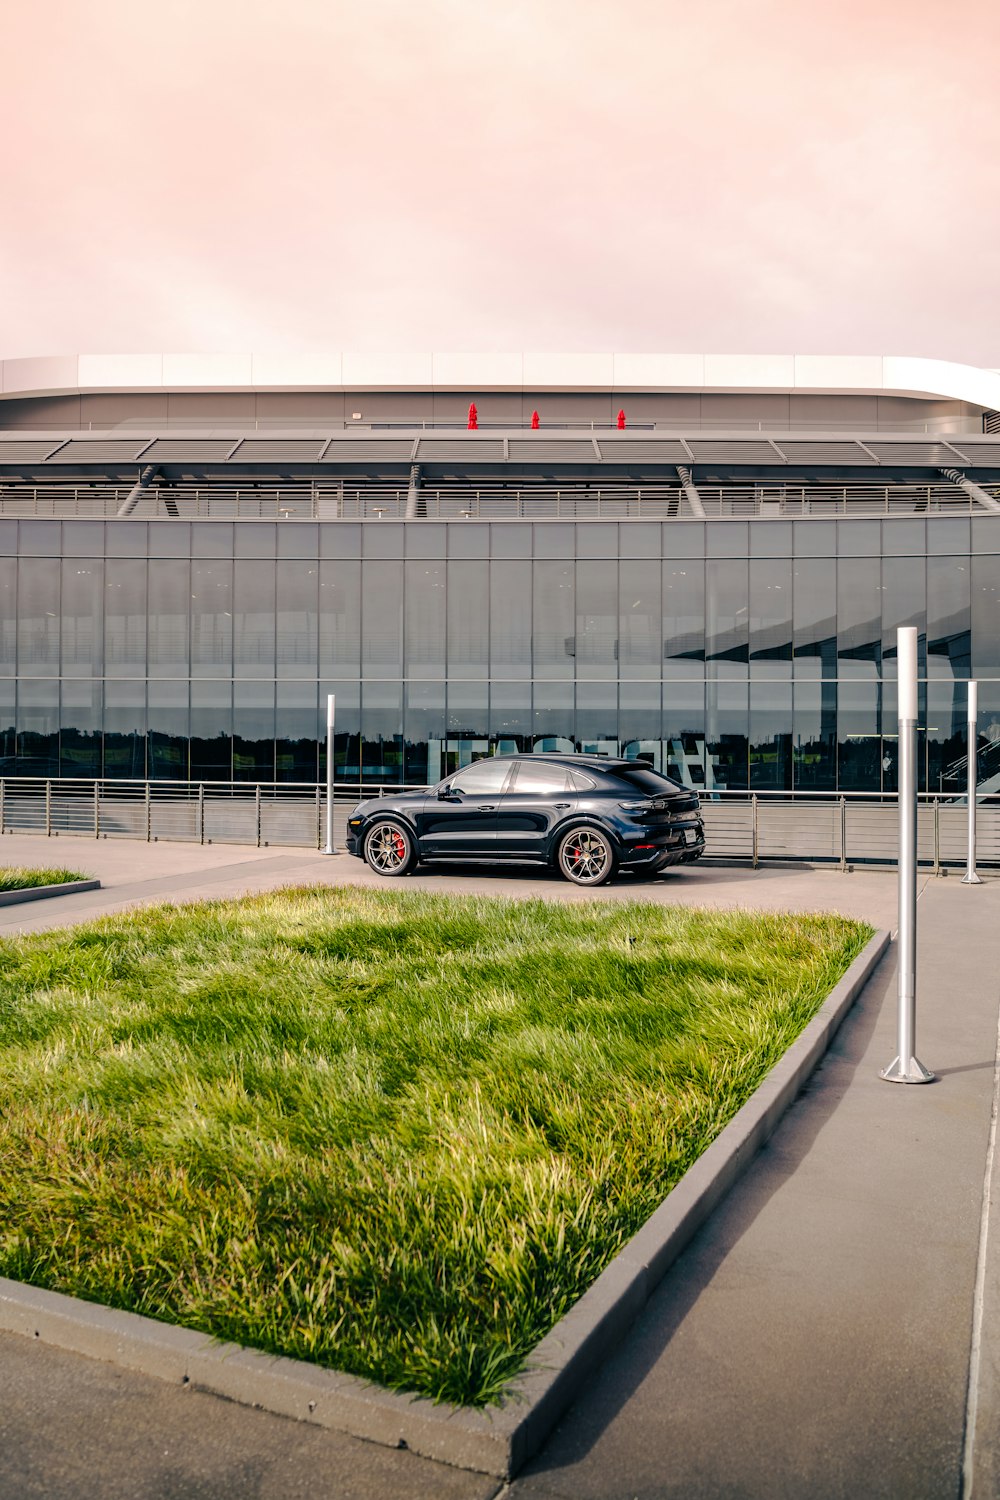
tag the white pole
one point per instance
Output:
(330, 712)
(970, 877)
(905, 1068)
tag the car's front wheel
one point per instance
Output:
(586, 856)
(389, 849)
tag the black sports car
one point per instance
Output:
(586, 815)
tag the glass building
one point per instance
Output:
(171, 612)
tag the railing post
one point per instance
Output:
(2, 792)
(48, 809)
(257, 800)
(97, 810)
(319, 820)
(755, 833)
(149, 815)
(937, 836)
(201, 811)
(843, 834)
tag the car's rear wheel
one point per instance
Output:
(389, 849)
(586, 856)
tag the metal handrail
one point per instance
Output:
(756, 825)
(340, 499)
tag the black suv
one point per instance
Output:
(586, 815)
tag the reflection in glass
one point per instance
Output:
(904, 602)
(596, 626)
(381, 737)
(510, 619)
(815, 728)
(859, 743)
(986, 615)
(38, 616)
(423, 732)
(468, 604)
(727, 607)
(859, 616)
(211, 731)
(38, 726)
(726, 740)
(640, 625)
(382, 620)
(125, 729)
(340, 617)
(253, 731)
(554, 640)
(297, 719)
(814, 588)
(424, 632)
(771, 610)
(510, 716)
(80, 728)
(253, 618)
(639, 722)
(949, 617)
(8, 615)
(685, 757)
(770, 751)
(684, 611)
(169, 606)
(468, 724)
(297, 618)
(347, 729)
(8, 727)
(212, 619)
(125, 609)
(597, 718)
(169, 729)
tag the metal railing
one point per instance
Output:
(828, 828)
(574, 500)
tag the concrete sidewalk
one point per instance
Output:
(816, 1338)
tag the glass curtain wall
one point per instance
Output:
(734, 656)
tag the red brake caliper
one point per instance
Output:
(399, 847)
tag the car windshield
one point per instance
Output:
(647, 781)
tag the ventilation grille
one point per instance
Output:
(646, 451)
(98, 451)
(25, 452)
(357, 451)
(280, 450)
(471, 450)
(188, 450)
(822, 453)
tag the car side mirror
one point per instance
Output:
(447, 791)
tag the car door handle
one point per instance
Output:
(487, 807)
(560, 804)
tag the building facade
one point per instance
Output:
(182, 586)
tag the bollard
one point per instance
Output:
(970, 877)
(330, 712)
(905, 1067)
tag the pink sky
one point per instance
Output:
(578, 175)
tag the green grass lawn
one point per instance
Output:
(20, 878)
(393, 1133)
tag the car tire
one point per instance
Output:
(586, 856)
(389, 848)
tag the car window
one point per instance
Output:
(540, 779)
(482, 776)
(645, 780)
(581, 783)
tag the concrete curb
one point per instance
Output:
(497, 1440)
(39, 892)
